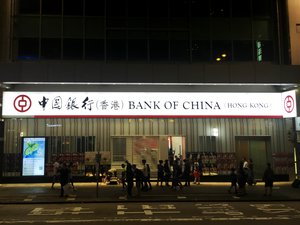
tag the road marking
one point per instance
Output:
(183, 219)
(59, 211)
(29, 198)
(181, 197)
(149, 210)
(273, 208)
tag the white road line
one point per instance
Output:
(181, 197)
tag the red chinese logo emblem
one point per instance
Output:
(289, 104)
(22, 103)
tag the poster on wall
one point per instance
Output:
(33, 153)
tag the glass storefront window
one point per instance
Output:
(116, 45)
(29, 6)
(94, 49)
(113, 22)
(51, 27)
(72, 48)
(242, 50)
(73, 7)
(201, 50)
(50, 48)
(241, 8)
(94, 8)
(52, 7)
(220, 8)
(221, 50)
(28, 49)
(28, 26)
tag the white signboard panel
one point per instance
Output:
(147, 104)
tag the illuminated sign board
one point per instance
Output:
(33, 153)
(147, 104)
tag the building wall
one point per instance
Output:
(5, 10)
(294, 23)
(68, 130)
(75, 71)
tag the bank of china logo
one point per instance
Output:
(22, 103)
(289, 104)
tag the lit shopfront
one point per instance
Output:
(221, 128)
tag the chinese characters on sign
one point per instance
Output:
(72, 103)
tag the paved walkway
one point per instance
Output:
(87, 192)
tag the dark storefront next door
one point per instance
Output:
(255, 148)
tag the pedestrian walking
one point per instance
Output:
(186, 172)
(167, 172)
(129, 178)
(64, 174)
(246, 166)
(241, 179)
(55, 176)
(176, 176)
(71, 180)
(123, 176)
(268, 178)
(146, 171)
(251, 180)
(139, 177)
(196, 174)
(233, 181)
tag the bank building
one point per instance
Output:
(101, 82)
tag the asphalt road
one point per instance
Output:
(153, 213)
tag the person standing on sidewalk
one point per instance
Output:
(138, 174)
(55, 176)
(70, 167)
(123, 176)
(196, 175)
(186, 172)
(233, 180)
(251, 180)
(160, 173)
(167, 172)
(268, 178)
(146, 171)
(64, 173)
(241, 179)
(129, 178)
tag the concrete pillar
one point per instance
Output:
(294, 24)
(5, 29)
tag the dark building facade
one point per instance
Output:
(166, 46)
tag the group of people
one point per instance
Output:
(62, 172)
(182, 170)
(142, 177)
(245, 175)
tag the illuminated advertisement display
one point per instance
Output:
(33, 152)
(148, 104)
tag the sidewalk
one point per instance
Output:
(87, 193)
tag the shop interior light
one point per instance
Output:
(218, 59)
(215, 132)
(224, 55)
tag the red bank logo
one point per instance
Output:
(22, 103)
(289, 104)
